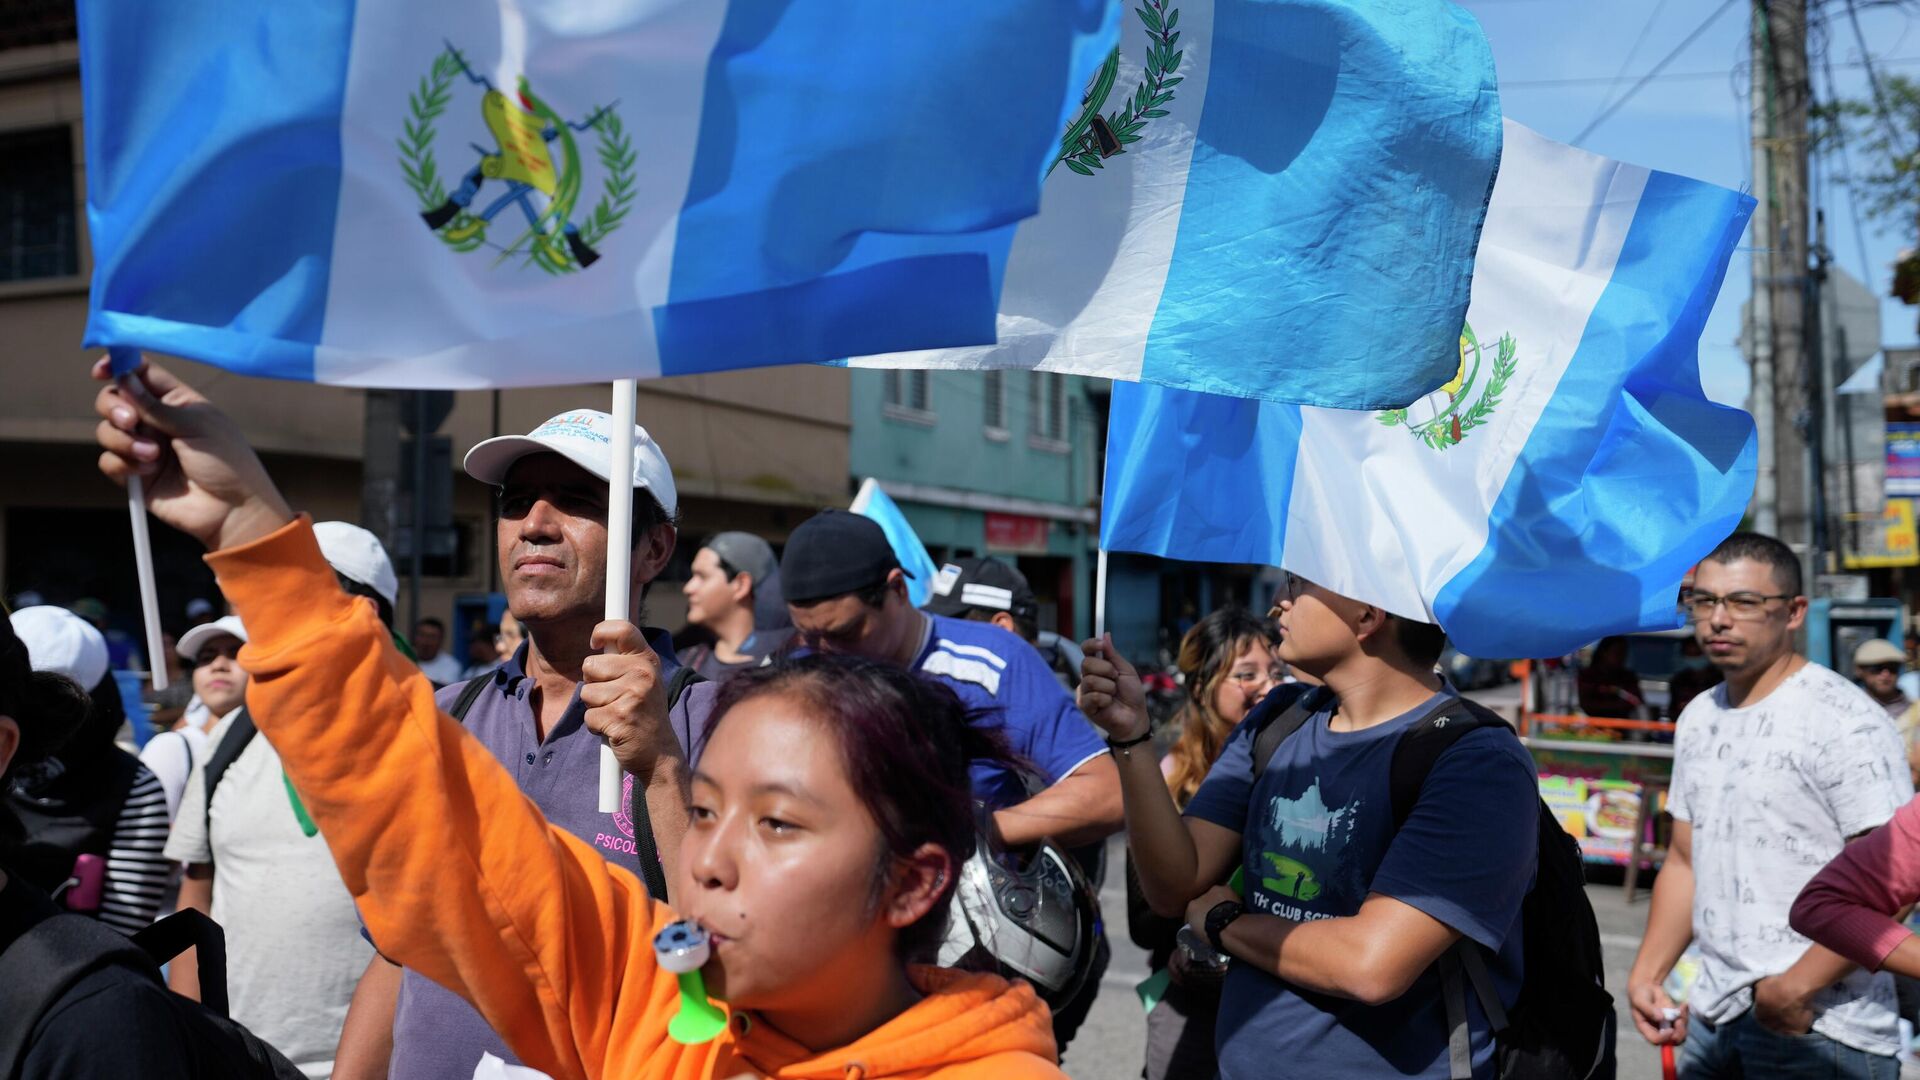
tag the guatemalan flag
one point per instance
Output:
(1254, 195)
(1559, 485)
(464, 193)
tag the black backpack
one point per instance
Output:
(56, 953)
(1563, 1026)
(72, 812)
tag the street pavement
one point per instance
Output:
(1112, 1042)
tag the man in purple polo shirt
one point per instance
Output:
(538, 713)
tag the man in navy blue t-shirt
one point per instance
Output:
(847, 593)
(1336, 939)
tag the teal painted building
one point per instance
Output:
(1000, 463)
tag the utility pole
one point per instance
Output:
(1766, 493)
(1781, 77)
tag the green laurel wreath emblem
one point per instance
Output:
(430, 100)
(424, 106)
(1092, 138)
(616, 198)
(1463, 413)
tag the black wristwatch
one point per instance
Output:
(1218, 917)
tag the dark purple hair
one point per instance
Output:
(906, 742)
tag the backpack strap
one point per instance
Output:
(1276, 720)
(645, 851)
(43, 963)
(186, 929)
(232, 744)
(186, 748)
(1461, 966)
(1453, 994)
(469, 694)
(683, 677)
(1422, 743)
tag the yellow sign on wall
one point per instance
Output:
(1886, 539)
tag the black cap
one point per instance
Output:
(833, 553)
(986, 584)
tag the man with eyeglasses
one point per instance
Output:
(1774, 771)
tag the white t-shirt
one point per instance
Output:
(171, 756)
(443, 669)
(294, 950)
(1773, 791)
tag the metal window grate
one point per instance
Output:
(994, 397)
(907, 390)
(1047, 406)
(38, 233)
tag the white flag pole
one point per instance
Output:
(124, 362)
(149, 593)
(1100, 561)
(619, 553)
(1100, 595)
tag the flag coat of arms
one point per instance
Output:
(466, 193)
(1554, 490)
(1252, 197)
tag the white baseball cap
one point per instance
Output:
(356, 554)
(59, 641)
(190, 642)
(584, 437)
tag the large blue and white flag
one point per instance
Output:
(463, 193)
(1555, 490)
(1254, 197)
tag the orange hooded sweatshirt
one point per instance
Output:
(459, 877)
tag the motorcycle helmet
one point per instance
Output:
(1034, 918)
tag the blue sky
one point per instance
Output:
(1693, 126)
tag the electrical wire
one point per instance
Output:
(1846, 161)
(1873, 79)
(1671, 76)
(1657, 68)
(1627, 61)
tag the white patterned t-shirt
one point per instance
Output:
(1773, 791)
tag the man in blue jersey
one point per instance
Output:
(847, 593)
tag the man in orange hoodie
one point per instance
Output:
(549, 941)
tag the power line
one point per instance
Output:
(1873, 81)
(1657, 68)
(1672, 76)
(1627, 61)
(1846, 161)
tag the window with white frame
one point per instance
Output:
(907, 394)
(993, 394)
(1047, 408)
